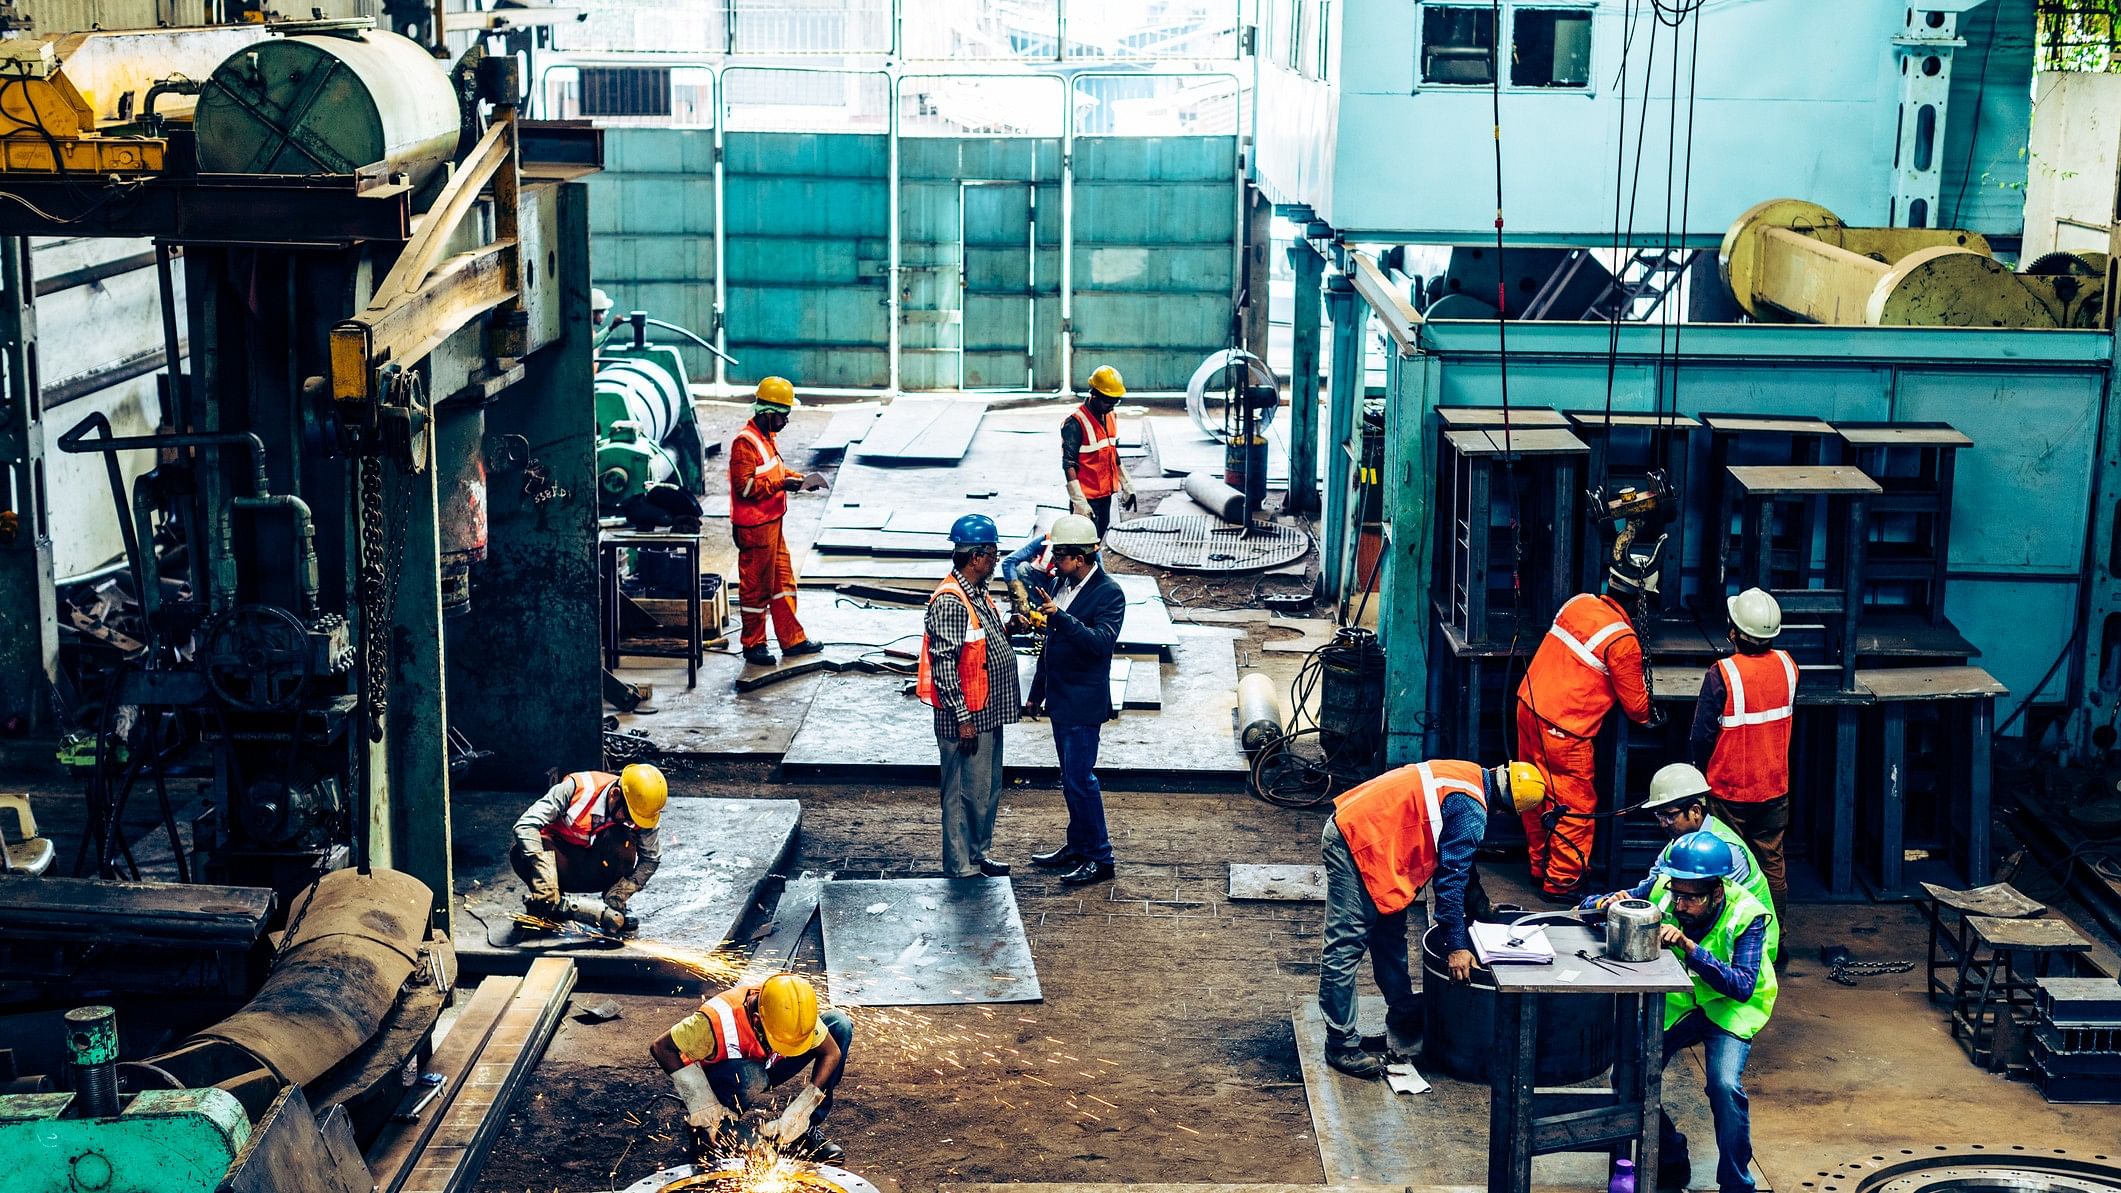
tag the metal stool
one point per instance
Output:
(1977, 1015)
(1947, 947)
(34, 856)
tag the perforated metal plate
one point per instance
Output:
(1193, 543)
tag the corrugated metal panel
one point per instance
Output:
(1155, 257)
(652, 220)
(935, 319)
(807, 250)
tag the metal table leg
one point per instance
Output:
(1892, 789)
(1842, 866)
(1510, 1077)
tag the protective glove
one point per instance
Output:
(1019, 594)
(1077, 503)
(703, 1111)
(1127, 499)
(796, 1119)
(545, 888)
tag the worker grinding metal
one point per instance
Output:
(592, 831)
(968, 676)
(1589, 660)
(1083, 611)
(1720, 932)
(1090, 452)
(759, 484)
(1678, 799)
(1741, 734)
(744, 1041)
(1386, 840)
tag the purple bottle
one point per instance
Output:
(1623, 1178)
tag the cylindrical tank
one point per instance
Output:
(638, 405)
(1259, 716)
(329, 103)
(1245, 470)
(1351, 700)
(1574, 1042)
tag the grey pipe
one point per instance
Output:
(306, 536)
(1213, 495)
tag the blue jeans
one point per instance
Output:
(1354, 926)
(742, 1084)
(1077, 747)
(1726, 1055)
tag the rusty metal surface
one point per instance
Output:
(1207, 544)
(925, 942)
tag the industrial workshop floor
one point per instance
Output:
(1163, 1050)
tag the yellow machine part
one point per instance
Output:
(1787, 259)
(48, 125)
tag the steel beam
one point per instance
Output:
(29, 622)
(1403, 577)
(262, 210)
(1351, 319)
(1303, 377)
(415, 744)
(463, 288)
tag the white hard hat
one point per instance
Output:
(1073, 530)
(1756, 615)
(1675, 783)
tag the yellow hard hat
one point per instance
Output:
(646, 792)
(776, 391)
(788, 1012)
(1528, 788)
(1106, 381)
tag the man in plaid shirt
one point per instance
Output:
(968, 675)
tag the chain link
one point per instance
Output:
(1849, 972)
(373, 591)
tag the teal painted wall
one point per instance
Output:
(652, 227)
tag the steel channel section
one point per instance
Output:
(29, 626)
(2038, 404)
(1409, 505)
(1303, 376)
(1343, 397)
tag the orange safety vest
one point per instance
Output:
(1097, 460)
(734, 1037)
(1568, 684)
(1393, 825)
(1751, 762)
(585, 817)
(971, 658)
(758, 508)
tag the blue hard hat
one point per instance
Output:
(975, 530)
(1699, 855)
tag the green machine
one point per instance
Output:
(163, 1141)
(647, 434)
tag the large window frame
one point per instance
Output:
(1502, 51)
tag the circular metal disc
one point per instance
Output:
(1974, 1169)
(1200, 543)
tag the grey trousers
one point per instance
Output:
(1354, 927)
(972, 790)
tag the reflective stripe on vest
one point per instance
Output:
(1741, 1019)
(1751, 760)
(579, 826)
(1097, 460)
(1568, 684)
(746, 507)
(971, 658)
(1393, 826)
(730, 1048)
(734, 1037)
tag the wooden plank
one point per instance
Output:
(1928, 683)
(1743, 423)
(1521, 441)
(1763, 480)
(451, 1160)
(1902, 435)
(1598, 420)
(1520, 417)
(392, 1155)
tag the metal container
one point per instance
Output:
(1259, 716)
(329, 103)
(1574, 1041)
(1631, 930)
(1351, 700)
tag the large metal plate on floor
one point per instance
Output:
(717, 854)
(921, 942)
(1207, 544)
(1368, 1135)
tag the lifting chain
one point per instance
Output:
(1848, 973)
(373, 590)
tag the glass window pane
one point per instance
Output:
(572, 92)
(976, 105)
(981, 30)
(1457, 44)
(1189, 29)
(1550, 47)
(682, 26)
(763, 100)
(811, 26)
(1156, 105)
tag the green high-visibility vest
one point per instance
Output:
(1755, 878)
(1741, 1019)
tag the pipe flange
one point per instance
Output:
(1971, 1168)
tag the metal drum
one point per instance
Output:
(329, 103)
(1575, 1041)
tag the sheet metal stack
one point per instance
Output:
(2076, 1041)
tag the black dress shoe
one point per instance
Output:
(994, 869)
(1088, 873)
(807, 646)
(1063, 858)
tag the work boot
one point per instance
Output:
(1674, 1167)
(1353, 1061)
(815, 1147)
(806, 646)
(1063, 858)
(758, 656)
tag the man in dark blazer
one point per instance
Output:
(1084, 608)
